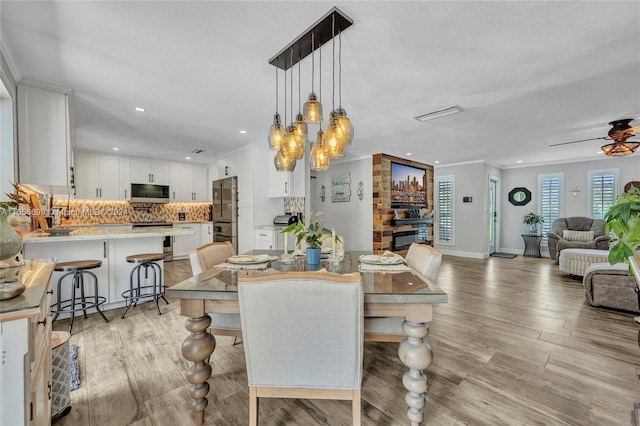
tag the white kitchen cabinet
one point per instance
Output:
(125, 179)
(78, 250)
(188, 182)
(206, 233)
(97, 176)
(287, 184)
(228, 164)
(45, 137)
(265, 239)
(183, 243)
(148, 171)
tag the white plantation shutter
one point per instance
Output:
(550, 193)
(602, 191)
(444, 230)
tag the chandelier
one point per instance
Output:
(290, 140)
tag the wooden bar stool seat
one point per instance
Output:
(77, 269)
(141, 288)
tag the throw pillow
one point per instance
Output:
(581, 236)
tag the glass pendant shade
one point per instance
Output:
(312, 109)
(620, 149)
(301, 126)
(283, 164)
(318, 159)
(345, 123)
(276, 133)
(334, 140)
(290, 146)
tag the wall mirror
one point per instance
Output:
(519, 196)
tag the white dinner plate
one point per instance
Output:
(248, 259)
(374, 259)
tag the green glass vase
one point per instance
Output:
(10, 241)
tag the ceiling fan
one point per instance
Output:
(619, 133)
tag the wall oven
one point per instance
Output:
(167, 241)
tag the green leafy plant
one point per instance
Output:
(532, 219)
(311, 232)
(623, 224)
(15, 199)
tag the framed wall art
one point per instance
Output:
(341, 188)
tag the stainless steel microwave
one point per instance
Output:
(149, 193)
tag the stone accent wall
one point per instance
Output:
(382, 212)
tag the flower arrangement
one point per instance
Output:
(311, 232)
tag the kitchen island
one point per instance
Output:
(109, 246)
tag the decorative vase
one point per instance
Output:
(533, 229)
(10, 241)
(313, 255)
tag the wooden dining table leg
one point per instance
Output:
(197, 348)
(416, 354)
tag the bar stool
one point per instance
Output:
(78, 269)
(137, 291)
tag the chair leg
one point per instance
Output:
(253, 406)
(356, 408)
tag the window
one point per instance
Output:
(603, 189)
(444, 209)
(549, 202)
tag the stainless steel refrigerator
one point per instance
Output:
(225, 210)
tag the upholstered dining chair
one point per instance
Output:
(426, 261)
(302, 335)
(203, 259)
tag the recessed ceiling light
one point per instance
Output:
(187, 158)
(243, 131)
(519, 161)
(599, 152)
(440, 113)
(115, 149)
(437, 161)
(409, 154)
(139, 109)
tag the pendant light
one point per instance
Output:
(277, 131)
(620, 149)
(318, 159)
(284, 164)
(312, 108)
(292, 146)
(301, 125)
(341, 112)
(334, 139)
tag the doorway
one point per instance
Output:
(494, 219)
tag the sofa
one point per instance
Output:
(576, 232)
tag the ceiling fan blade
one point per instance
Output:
(583, 140)
(625, 133)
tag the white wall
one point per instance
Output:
(353, 219)
(575, 174)
(8, 139)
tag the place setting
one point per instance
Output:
(256, 261)
(385, 262)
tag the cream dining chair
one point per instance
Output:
(426, 261)
(203, 259)
(303, 338)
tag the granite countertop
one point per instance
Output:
(271, 227)
(95, 233)
(35, 277)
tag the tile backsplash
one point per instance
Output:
(294, 204)
(82, 212)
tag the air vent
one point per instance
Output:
(440, 113)
(197, 151)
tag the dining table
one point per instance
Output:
(390, 291)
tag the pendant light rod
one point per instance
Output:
(333, 66)
(340, 69)
(302, 45)
(291, 94)
(276, 90)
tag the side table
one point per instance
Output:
(532, 245)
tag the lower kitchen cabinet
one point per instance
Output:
(183, 243)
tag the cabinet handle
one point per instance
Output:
(263, 235)
(43, 322)
(226, 170)
(100, 192)
(97, 193)
(174, 195)
(104, 248)
(286, 189)
(125, 193)
(49, 390)
(149, 176)
(153, 177)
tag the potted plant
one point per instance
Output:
(312, 234)
(533, 220)
(623, 224)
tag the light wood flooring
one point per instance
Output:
(517, 344)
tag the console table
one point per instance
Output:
(532, 245)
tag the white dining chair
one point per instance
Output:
(203, 259)
(303, 337)
(426, 261)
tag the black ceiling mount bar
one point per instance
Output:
(302, 45)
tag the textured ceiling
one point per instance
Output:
(527, 74)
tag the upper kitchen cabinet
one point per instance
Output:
(287, 184)
(46, 137)
(145, 171)
(125, 179)
(188, 182)
(228, 164)
(98, 176)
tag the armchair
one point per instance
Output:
(576, 232)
